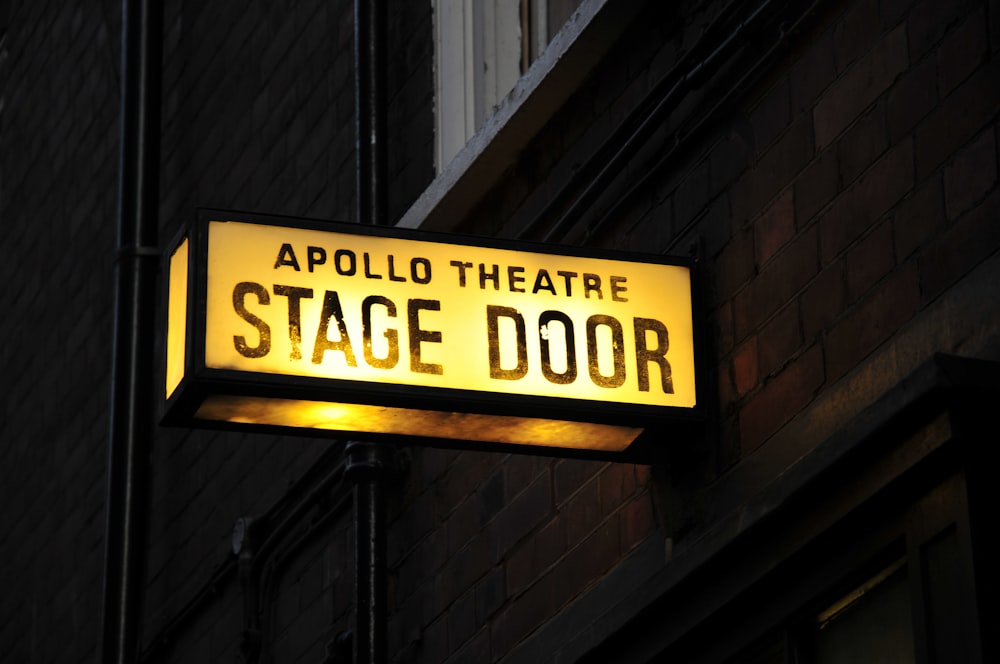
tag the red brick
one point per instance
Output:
(962, 51)
(816, 185)
(422, 563)
(735, 265)
(917, 217)
(590, 558)
(812, 73)
(520, 569)
(725, 385)
(528, 563)
(857, 208)
(637, 522)
(971, 175)
(962, 115)
(466, 567)
(974, 237)
(891, 12)
(771, 114)
(490, 594)
(929, 21)
(462, 523)
(692, 195)
(462, 622)
(528, 509)
(643, 475)
(872, 321)
(780, 399)
(477, 649)
(911, 99)
(571, 474)
(729, 157)
(860, 86)
(862, 144)
(617, 483)
(994, 12)
(782, 278)
(774, 170)
(779, 339)
(722, 324)
(492, 495)
(869, 260)
(463, 477)
(583, 512)
(745, 367)
(854, 35)
(775, 228)
(519, 470)
(433, 644)
(525, 613)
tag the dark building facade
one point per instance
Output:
(831, 168)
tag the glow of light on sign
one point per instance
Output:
(176, 316)
(355, 418)
(294, 301)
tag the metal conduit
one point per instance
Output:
(364, 465)
(608, 160)
(134, 328)
(257, 542)
(786, 33)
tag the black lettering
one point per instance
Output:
(391, 335)
(543, 282)
(617, 288)
(294, 296)
(317, 256)
(568, 277)
(263, 330)
(617, 347)
(644, 355)
(545, 334)
(493, 313)
(514, 278)
(392, 270)
(331, 309)
(424, 278)
(286, 256)
(417, 335)
(592, 283)
(462, 267)
(368, 271)
(352, 262)
(485, 276)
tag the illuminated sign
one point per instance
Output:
(371, 331)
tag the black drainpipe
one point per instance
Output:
(365, 465)
(132, 372)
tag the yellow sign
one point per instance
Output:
(435, 318)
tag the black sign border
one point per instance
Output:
(661, 423)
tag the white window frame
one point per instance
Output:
(518, 115)
(477, 46)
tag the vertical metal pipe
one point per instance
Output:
(134, 327)
(369, 106)
(364, 464)
(365, 468)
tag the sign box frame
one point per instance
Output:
(661, 426)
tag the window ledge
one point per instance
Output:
(551, 79)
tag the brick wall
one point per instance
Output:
(834, 203)
(58, 175)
